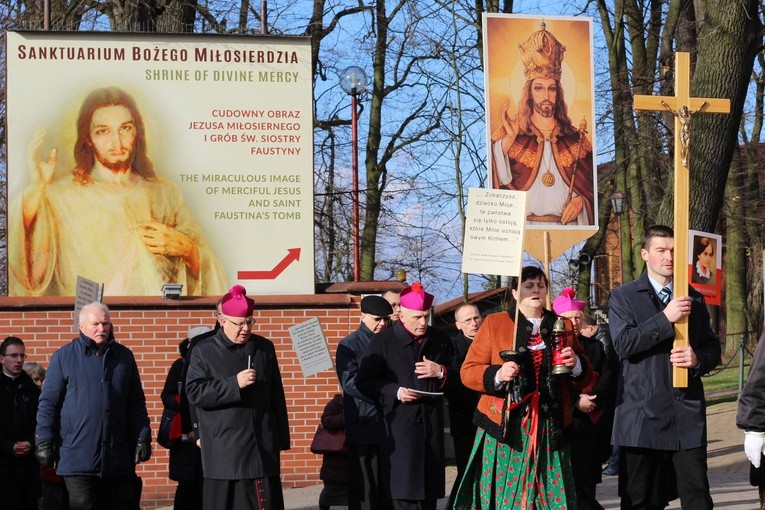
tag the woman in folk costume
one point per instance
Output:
(520, 457)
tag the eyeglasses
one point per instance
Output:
(16, 355)
(469, 320)
(248, 322)
(379, 319)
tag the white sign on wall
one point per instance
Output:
(311, 347)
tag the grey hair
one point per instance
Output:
(95, 305)
(34, 368)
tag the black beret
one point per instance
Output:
(376, 305)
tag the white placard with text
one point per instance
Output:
(494, 228)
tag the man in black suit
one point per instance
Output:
(462, 401)
(19, 472)
(405, 370)
(661, 429)
(363, 425)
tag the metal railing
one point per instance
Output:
(740, 354)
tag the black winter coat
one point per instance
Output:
(606, 388)
(242, 430)
(334, 466)
(591, 441)
(414, 433)
(363, 424)
(18, 408)
(650, 413)
(462, 400)
(185, 459)
(189, 412)
(751, 406)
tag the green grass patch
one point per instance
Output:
(722, 386)
(724, 380)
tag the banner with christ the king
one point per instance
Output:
(540, 109)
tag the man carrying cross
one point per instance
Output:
(663, 431)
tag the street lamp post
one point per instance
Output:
(617, 202)
(353, 81)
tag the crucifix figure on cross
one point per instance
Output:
(684, 114)
(683, 107)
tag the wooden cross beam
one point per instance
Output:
(683, 107)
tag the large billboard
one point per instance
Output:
(138, 160)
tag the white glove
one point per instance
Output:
(754, 446)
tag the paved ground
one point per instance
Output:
(728, 471)
(728, 466)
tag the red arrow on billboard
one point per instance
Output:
(293, 255)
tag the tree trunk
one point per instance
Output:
(727, 45)
(177, 17)
(735, 261)
(376, 170)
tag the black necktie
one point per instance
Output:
(665, 295)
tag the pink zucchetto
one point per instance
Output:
(235, 303)
(415, 298)
(567, 303)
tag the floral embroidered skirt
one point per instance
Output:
(500, 477)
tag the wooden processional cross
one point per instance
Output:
(683, 107)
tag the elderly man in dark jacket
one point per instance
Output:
(404, 369)
(234, 381)
(363, 424)
(92, 416)
(19, 472)
(661, 429)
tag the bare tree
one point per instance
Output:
(743, 223)
(723, 40)
(399, 86)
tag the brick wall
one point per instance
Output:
(152, 328)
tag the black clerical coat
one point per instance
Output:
(242, 431)
(414, 432)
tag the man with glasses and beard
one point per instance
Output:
(234, 381)
(59, 224)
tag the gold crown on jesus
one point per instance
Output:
(541, 55)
